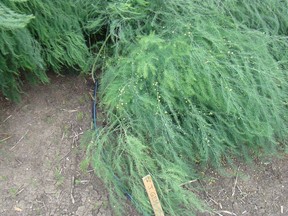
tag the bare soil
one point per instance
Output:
(40, 155)
(258, 189)
(40, 163)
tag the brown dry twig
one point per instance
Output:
(7, 119)
(224, 211)
(19, 140)
(72, 189)
(235, 182)
(69, 111)
(5, 139)
(188, 182)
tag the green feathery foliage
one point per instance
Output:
(11, 20)
(51, 38)
(19, 52)
(57, 28)
(188, 82)
(185, 83)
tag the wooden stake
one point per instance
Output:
(153, 196)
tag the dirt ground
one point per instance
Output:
(40, 155)
(40, 159)
(259, 189)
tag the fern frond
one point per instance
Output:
(10, 20)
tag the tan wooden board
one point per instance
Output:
(153, 196)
